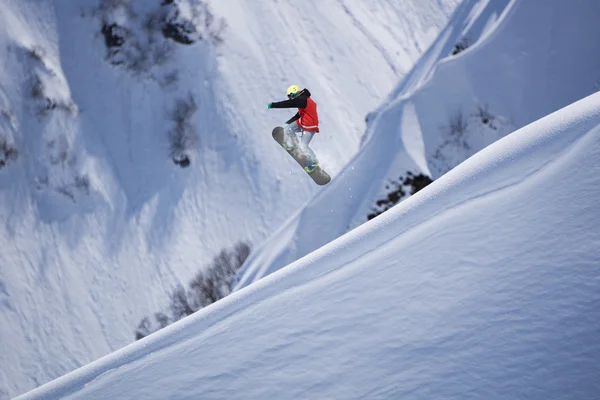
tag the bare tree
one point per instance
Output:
(143, 329)
(241, 253)
(211, 283)
(180, 306)
(162, 319)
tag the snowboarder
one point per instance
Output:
(306, 122)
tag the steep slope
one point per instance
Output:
(97, 223)
(483, 285)
(349, 53)
(521, 62)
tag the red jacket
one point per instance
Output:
(309, 119)
(306, 117)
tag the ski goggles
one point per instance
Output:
(292, 95)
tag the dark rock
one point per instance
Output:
(180, 32)
(114, 35)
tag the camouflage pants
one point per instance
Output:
(297, 136)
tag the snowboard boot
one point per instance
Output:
(310, 168)
(288, 147)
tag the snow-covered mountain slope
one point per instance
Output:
(521, 62)
(485, 284)
(97, 224)
(349, 53)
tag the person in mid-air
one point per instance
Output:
(306, 122)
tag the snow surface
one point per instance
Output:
(485, 284)
(524, 62)
(97, 224)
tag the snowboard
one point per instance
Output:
(318, 175)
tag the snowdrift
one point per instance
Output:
(485, 284)
(497, 66)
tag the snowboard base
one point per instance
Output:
(318, 175)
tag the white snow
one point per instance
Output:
(485, 284)
(524, 62)
(97, 225)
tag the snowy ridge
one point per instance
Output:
(448, 108)
(503, 298)
(97, 222)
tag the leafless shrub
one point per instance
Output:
(47, 103)
(37, 53)
(37, 88)
(200, 26)
(210, 284)
(217, 31)
(139, 43)
(213, 27)
(66, 191)
(181, 32)
(448, 152)
(241, 252)
(180, 305)
(485, 116)
(144, 328)
(458, 125)
(59, 151)
(41, 182)
(82, 183)
(399, 190)
(68, 107)
(214, 283)
(461, 46)
(162, 320)
(8, 152)
(114, 36)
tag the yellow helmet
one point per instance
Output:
(293, 90)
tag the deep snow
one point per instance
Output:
(97, 224)
(523, 62)
(483, 285)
